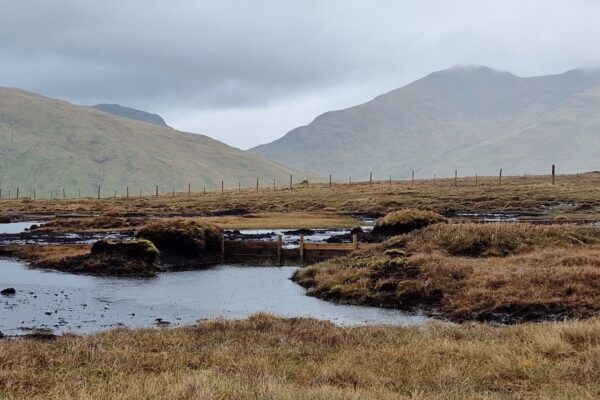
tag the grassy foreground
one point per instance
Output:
(266, 357)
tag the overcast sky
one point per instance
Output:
(246, 72)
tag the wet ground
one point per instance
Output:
(65, 302)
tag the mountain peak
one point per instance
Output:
(131, 113)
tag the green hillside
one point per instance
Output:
(50, 144)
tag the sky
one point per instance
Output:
(246, 72)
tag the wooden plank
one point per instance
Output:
(329, 246)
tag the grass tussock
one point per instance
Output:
(182, 237)
(266, 357)
(521, 273)
(406, 220)
(101, 223)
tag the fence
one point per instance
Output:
(273, 251)
(17, 193)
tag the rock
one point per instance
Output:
(306, 232)
(8, 291)
(356, 230)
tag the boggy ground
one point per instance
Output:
(496, 272)
(571, 197)
(266, 357)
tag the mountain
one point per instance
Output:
(50, 144)
(474, 119)
(131, 113)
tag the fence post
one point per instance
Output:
(274, 187)
(222, 186)
(279, 247)
(98, 192)
(500, 178)
(257, 185)
(79, 192)
(354, 242)
(349, 180)
(329, 181)
(433, 179)
(204, 190)
(553, 173)
(17, 192)
(476, 177)
(307, 183)
(173, 191)
(115, 196)
(302, 249)
(291, 181)
(390, 179)
(222, 247)
(64, 195)
(413, 179)
(140, 193)
(370, 179)
(189, 189)
(33, 193)
(156, 189)
(455, 177)
(127, 191)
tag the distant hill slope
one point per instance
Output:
(51, 144)
(473, 119)
(131, 113)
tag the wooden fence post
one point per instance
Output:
(455, 177)
(301, 249)
(390, 179)
(371, 179)
(274, 187)
(127, 191)
(256, 185)
(279, 247)
(329, 181)
(222, 247)
(33, 193)
(291, 180)
(189, 189)
(17, 192)
(115, 196)
(500, 178)
(239, 187)
(156, 190)
(204, 190)
(433, 179)
(307, 183)
(173, 191)
(98, 192)
(553, 173)
(413, 179)
(222, 186)
(64, 195)
(476, 178)
(354, 242)
(140, 193)
(79, 192)
(349, 180)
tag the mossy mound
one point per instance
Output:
(183, 238)
(406, 220)
(143, 250)
(5, 219)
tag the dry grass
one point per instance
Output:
(269, 358)
(571, 197)
(522, 273)
(287, 220)
(406, 220)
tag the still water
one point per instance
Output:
(82, 304)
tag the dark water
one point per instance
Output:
(82, 304)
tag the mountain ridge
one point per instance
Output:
(435, 124)
(50, 144)
(131, 113)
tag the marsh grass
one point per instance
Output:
(266, 357)
(500, 272)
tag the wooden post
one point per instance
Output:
(204, 190)
(33, 193)
(301, 249)
(222, 247)
(274, 187)
(173, 191)
(239, 187)
(390, 179)
(64, 195)
(79, 192)
(500, 177)
(279, 247)
(433, 179)
(156, 190)
(329, 181)
(189, 189)
(413, 179)
(140, 193)
(307, 183)
(115, 196)
(98, 192)
(0, 193)
(354, 242)
(291, 181)
(553, 174)
(222, 186)
(51, 195)
(17, 192)
(455, 177)
(476, 179)
(370, 179)
(257, 185)
(349, 180)
(127, 191)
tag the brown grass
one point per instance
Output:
(522, 273)
(406, 220)
(269, 358)
(571, 197)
